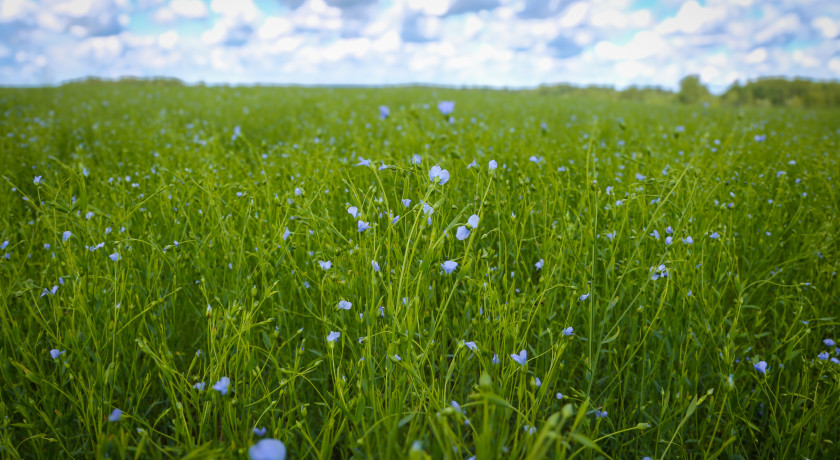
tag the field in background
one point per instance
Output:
(640, 262)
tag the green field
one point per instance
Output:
(683, 245)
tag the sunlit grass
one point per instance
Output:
(637, 260)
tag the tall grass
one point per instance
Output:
(207, 283)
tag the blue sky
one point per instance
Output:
(512, 43)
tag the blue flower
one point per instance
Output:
(325, 265)
(259, 431)
(760, 137)
(569, 331)
(829, 342)
(639, 176)
(384, 111)
(344, 305)
(761, 366)
(286, 234)
(333, 336)
(446, 107)
(668, 240)
(559, 395)
(66, 235)
(471, 345)
(267, 449)
(375, 265)
(439, 175)
(540, 264)
(714, 235)
(600, 413)
(115, 416)
(115, 256)
(492, 165)
(222, 385)
(823, 355)
(6, 243)
(199, 386)
(353, 211)
(55, 353)
(462, 233)
(406, 202)
(363, 226)
(655, 234)
(473, 221)
(397, 357)
(363, 162)
(237, 131)
(584, 297)
(611, 235)
(495, 359)
(449, 266)
(37, 180)
(520, 358)
(688, 240)
(472, 165)
(415, 159)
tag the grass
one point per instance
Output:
(668, 361)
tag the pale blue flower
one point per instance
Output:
(363, 226)
(237, 131)
(406, 202)
(492, 165)
(397, 357)
(325, 265)
(415, 159)
(49, 291)
(55, 353)
(535, 159)
(559, 395)
(655, 234)
(298, 191)
(6, 243)
(600, 413)
(473, 221)
(761, 366)
(115, 256)
(584, 297)
(495, 359)
(286, 234)
(428, 209)
(446, 107)
(449, 266)
(714, 235)
(530, 429)
(540, 264)
(462, 233)
(395, 219)
(375, 265)
(669, 230)
(639, 176)
(829, 342)
(668, 240)
(569, 331)
(267, 449)
(259, 431)
(66, 235)
(199, 386)
(472, 165)
(439, 175)
(611, 235)
(823, 355)
(115, 416)
(353, 211)
(520, 358)
(333, 336)
(222, 385)
(384, 111)
(344, 305)
(688, 240)
(471, 345)
(37, 180)
(363, 162)
(609, 189)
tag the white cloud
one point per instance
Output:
(691, 18)
(192, 9)
(827, 27)
(644, 44)
(756, 56)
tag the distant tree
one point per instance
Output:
(692, 91)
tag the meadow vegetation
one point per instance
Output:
(512, 275)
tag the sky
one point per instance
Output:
(498, 43)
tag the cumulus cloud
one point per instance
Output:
(484, 42)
